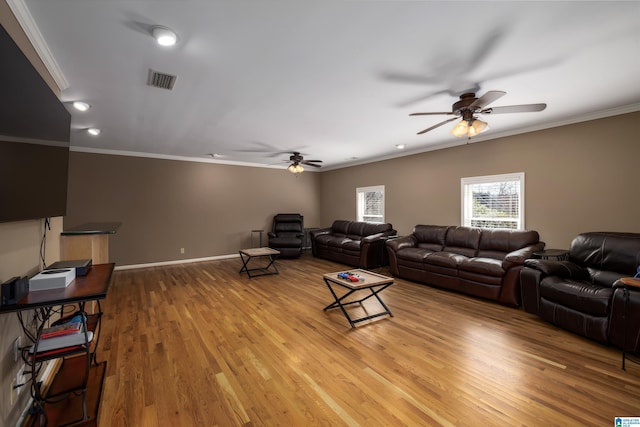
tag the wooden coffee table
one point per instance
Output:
(373, 282)
(247, 254)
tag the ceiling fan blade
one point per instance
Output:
(525, 108)
(306, 162)
(487, 99)
(437, 126)
(316, 161)
(438, 113)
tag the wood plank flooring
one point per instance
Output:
(201, 345)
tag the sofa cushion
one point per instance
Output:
(340, 226)
(352, 245)
(331, 240)
(413, 254)
(355, 230)
(430, 236)
(462, 240)
(337, 241)
(487, 266)
(504, 241)
(445, 259)
(580, 296)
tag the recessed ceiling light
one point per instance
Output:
(401, 146)
(94, 131)
(81, 106)
(164, 36)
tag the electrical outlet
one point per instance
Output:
(181, 250)
(20, 379)
(12, 393)
(16, 349)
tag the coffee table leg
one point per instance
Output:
(264, 270)
(244, 264)
(375, 293)
(338, 303)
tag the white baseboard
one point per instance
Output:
(181, 261)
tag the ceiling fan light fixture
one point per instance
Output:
(164, 36)
(460, 129)
(477, 126)
(295, 168)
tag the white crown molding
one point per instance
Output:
(22, 14)
(91, 150)
(631, 108)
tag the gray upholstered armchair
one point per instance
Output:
(287, 234)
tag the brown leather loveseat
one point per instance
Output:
(358, 244)
(584, 294)
(480, 262)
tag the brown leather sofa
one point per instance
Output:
(584, 294)
(482, 262)
(358, 244)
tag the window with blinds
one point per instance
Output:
(370, 204)
(495, 201)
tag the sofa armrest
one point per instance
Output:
(378, 236)
(519, 256)
(271, 234)
(564, 269)
(319, 231)
(401, 242)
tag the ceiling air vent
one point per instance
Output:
(161, 80)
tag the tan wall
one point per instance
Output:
(20, 256)
(164, 205)
(580, 177)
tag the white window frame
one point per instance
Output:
(467, 202)
(360, 208)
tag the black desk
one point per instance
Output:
(80, 377)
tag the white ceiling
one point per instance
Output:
(320, 77)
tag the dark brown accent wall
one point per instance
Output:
(165, 205)
(579, 177)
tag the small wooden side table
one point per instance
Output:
(247, 254)
(628, 283)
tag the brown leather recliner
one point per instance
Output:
(286, 234)
(583, 294)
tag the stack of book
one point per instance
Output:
(68, 336)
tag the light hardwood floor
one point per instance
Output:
(201, 345)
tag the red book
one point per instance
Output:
(60, 330)
(56, 351)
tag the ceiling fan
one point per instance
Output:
(469, 106)
(297, 162)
